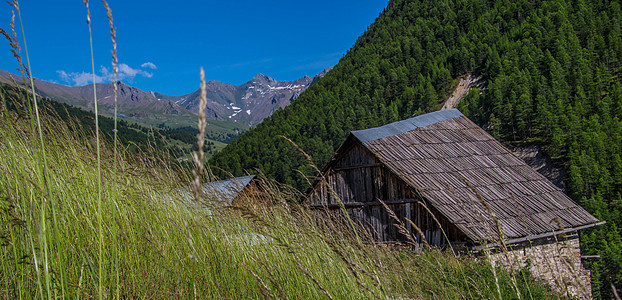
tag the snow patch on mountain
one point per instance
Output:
(262, 95)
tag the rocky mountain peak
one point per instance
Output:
(262, 79)
(250, 102)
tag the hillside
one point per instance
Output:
(134, 104)
(79, 219)
(134, 137)
(143, 109)
(552, 70)
(136, 235)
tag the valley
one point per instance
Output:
(231, 110)
(449, 137)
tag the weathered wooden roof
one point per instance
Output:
(470, 177)
(227, 190)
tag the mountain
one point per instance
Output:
(248, 103)
(133, 103)
(552, 70)
(179, 143)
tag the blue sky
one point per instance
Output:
(162, 44)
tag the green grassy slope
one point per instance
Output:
(154, 243)
(553, 72)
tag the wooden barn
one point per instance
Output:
(229, 190)
(441, 168)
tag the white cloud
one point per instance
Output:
(78, 78)
(126, 73)
(149, 65)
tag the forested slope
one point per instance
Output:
(553, 73)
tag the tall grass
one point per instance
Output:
(42, 157)
(115, 188)
(145, 238)
(98, 212)
(168, 247)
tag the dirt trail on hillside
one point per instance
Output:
(467, 82)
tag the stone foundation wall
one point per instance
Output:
(556, 262)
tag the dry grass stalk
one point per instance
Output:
(274, 282)
(330, 225)
(615, 291)
(416, 191)
(401, 228)
(312, 164)
(486, 249)
(199, 156)
(115, 70)
(566, 262)
(15, 48)
(26, 74)
(99, 172)
(44, 247)
(304, 176)
(263, 288)
(420, 232)
(355, 269)
(501, 239)
(439, 226)
(17, 101)
(113, 37)
(304, 271)
(276, 193)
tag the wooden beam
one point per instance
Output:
(356, 167)
(538, 236)
(363, 204)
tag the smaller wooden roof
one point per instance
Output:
(229, 189)
(470, 178)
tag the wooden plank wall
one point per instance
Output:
(359, 180)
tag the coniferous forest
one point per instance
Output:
(552, 72)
